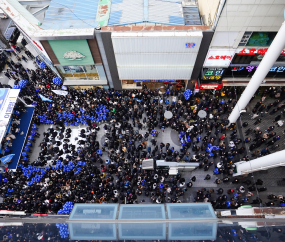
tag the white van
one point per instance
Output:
(2, 14)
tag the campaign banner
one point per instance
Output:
(45, 98)
(6, 158)
(7, 110)
(3, 94)
(60, 92)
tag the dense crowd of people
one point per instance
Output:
(132, 120)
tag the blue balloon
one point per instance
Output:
(187, 94)
(63, 230)
(42, 65)
(57, 81)
(16, 87)
(67, 208)
(23, 83)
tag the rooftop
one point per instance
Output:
(45, 19)
(75, 14)
(124, 12)
(66, 14)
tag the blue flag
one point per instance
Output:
(44, 98)
(7, 158)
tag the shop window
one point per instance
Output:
(91, 72)
(88, 72)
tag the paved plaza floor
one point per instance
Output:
(270, 177)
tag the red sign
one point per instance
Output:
(209, 86)
(254, 51)
(37, 45)
(220, 57)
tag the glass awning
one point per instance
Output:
(173, 211)
(142, 212)
(190, 211)
(179, 221)
(94, 212)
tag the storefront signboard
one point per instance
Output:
(219, 58)
(209, 86)
(249, 70)
(254, 51)
(213, 74)
(7, 110)
(72, 52)
(279, 69)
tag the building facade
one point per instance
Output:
(120, 44)
(243, 34)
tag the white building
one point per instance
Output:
(244, 31)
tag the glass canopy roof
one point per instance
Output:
(182, 221)
(190, 211)
(142, 211)
(94, 212)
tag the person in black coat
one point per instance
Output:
(60, 153)
(61, 136)
(277, 118)
(54, 134)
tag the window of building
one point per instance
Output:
(87, 72)
(245, 38)
(261, 39)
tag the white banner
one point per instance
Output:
(7, 110)
(60, 92)
(219, 58)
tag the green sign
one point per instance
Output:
(72, 52)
